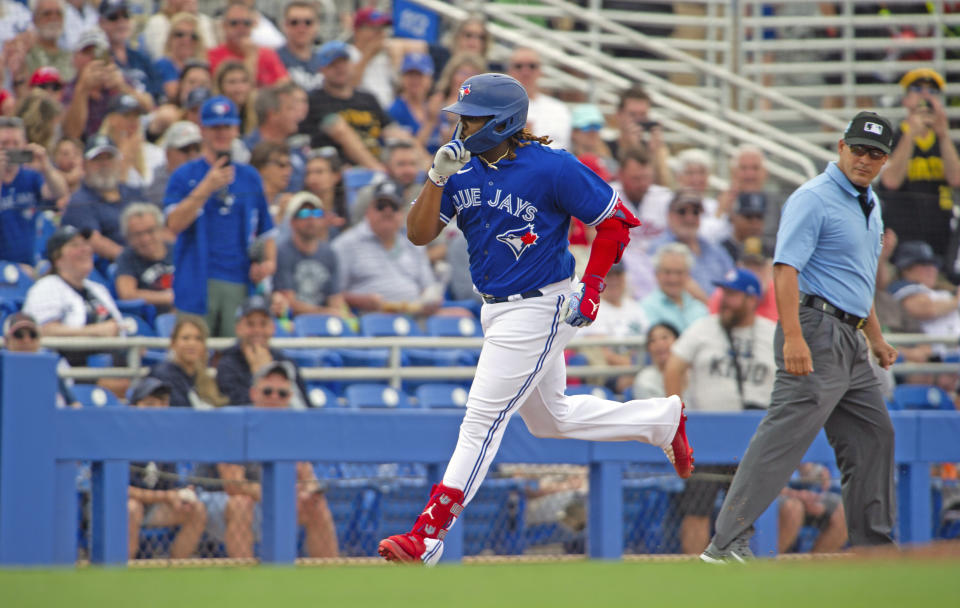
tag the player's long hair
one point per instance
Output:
(524, 138)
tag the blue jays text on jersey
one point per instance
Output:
(516, 216)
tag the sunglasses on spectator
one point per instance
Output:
(239, 22)
(281, 164)
(185, 34)
(299, 22)
(473, 35)
(305, 213)
(190, 149)
(385, 204)
(531, 65)
(875, 153)
(50, 86)
(688, 210)
(24, 333)
(118, 16)
(924, 86)
(281, 392)
(50, 13)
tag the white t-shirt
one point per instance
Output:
(712, 379)
(549, 116)
(652, 213)
(628, 319)
(53, 299)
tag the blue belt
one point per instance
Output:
(533, 293)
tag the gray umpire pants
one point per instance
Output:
(842, 396)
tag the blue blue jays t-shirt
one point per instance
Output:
(18, 216)
(138, 71)
(228, 223)
(88, 209)
(307, 74)
(516, 218)
(165, 70)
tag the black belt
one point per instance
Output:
(533, 293)
(818, 303)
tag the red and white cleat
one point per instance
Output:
(402, 548)
(679, 452)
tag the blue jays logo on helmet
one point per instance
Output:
(498, 96)
(519, 239)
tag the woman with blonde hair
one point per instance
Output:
(185, 369)
(140, 159)
(233, 80)
(183, 45)
(157, 29)
(460, 67)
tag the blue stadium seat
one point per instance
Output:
(321, 326)
(354, 179)
(321, 396)
(651, 522)
(628, 394)
(14, 284)
(577, 359)
(370, 395)
(921, 397)
(590, 389)
(495, 520)
(381, 324)
(137, 326)
(459, 327)
(138, 308)
(164, 324)
(442, 396)
(45, 229)
(91, 395)
(100, 360)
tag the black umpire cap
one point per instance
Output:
(869, 129)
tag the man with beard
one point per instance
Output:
(46, 49)
(729, 357)
(308, 270)
(101, 199)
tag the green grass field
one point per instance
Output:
(815, 584)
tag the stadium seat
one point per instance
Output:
(136, 326)
(354, 179)
(321, 396)
(321, 326)
(370, 395)
(45, 229)
(442, 396)
(91, 395)
(382, 324)
(459, 327)
(14, 284)
(921, 397)
(590, 389)
(164, 324)
(138, 308)
(494, 522)
(651, 523)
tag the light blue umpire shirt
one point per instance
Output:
(826, 237)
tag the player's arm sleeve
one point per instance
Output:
(800, 225)
(581, 193)
(447, 208)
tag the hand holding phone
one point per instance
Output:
(20, 156)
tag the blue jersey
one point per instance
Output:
(516, 217)
(18, 216)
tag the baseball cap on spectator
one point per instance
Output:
(98, 144)
(255, 303)
(331, 51)
(92, 37)
(371, 17)
(196, 97)
(741, 279)
(924, 76)
(45, 75)
(125, 104)
(63, 235)
(869, 129)
(417, 62)
(275, 367)
(219, 111)
(181, 134)
(387, 192)
(751, 204)
(300, 200)
(587, 117)
(108, 8)
(685, 199)
(18, 320)
(911, 253)
(148, 387)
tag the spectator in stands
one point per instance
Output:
(156, 497)
(638, 130)
(460, 67)
(746, 221)
(547, 115)
(98, 81)
(185, 370)
(934, 309)
(66, 302)
(720, 363)
(217, 208)
(382, 270)
(47, 80)
(46, 50)
(411, 108)
(809, 501)
(263, 63)
(403, 160)
(756, 262)
(265, 33)
(79, 16)
(470, 36)
(22, 192)
(308, 269)
(234, 81)
(159, 27)
(22, 335)
(145, 268)
(194, 102)
(139, 159)
(68, 159)
(97, 205)
(323, 178)
(711, 262)
(235, 513)
(182, 45)
(670, 302)
(272, 162)
(374, 70)
(239, 363)
(181, 144)
(301, 22)
(649, 382)
(14, 19)
(748, 175)
(41, 115)
(278, 120)
(194, 75)
(923, 168)
(587, 120)
(136, 66)
(361, 110)
(693, 168)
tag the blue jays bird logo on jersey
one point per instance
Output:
(519, 239)
(464, 91)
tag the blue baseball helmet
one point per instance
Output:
(498, 96)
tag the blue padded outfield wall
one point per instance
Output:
(40, 446)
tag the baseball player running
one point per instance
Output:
(513, 198)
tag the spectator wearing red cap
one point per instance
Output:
(263, 63)
(48, 80)
(46, 50)
(374, 70)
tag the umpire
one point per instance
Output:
(824, 277)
